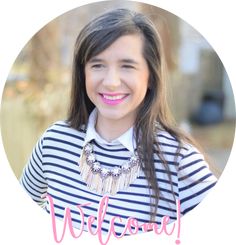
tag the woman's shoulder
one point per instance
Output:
(166, 139)
(63, 127)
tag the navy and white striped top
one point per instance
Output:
(53, 169)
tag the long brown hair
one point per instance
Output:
(95, 37)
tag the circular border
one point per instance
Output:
(207, 224)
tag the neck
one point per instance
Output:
(111, 129)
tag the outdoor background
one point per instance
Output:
(37, 90)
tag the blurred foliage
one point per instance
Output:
(26, 112)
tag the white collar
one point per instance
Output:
(126, 139)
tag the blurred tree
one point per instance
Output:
(45, 74)
(44, 56)
(168, 26)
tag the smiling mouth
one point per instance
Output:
(113, 99)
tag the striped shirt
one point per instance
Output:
(53, 168)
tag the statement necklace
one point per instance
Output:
(104, 180)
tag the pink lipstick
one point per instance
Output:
(113, 99)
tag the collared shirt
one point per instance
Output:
(126, 139)
(54, 169)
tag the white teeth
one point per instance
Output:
(109, 97)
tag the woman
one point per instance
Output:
(119, 139)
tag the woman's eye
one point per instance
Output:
(128, 67)
(97, 66)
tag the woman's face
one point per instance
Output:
(117, 80)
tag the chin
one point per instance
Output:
(111, 114)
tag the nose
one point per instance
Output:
(111, 79)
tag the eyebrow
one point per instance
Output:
(95, 60)
(129, 61)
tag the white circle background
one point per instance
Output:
(23, 222)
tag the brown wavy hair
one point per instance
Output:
(94, 38)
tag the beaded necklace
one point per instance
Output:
(104, 180)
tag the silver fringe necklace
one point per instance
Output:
(104, 180)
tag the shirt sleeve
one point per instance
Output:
(195, 179)
(33, 179)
